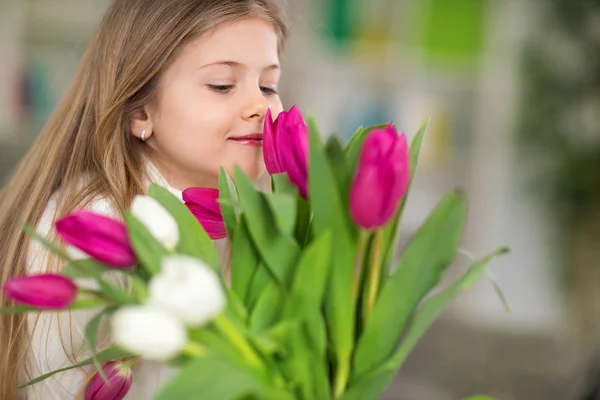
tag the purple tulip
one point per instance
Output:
(382, 178)
(285, 147)
(203, 203)
(102, 238)
(119, 382)
(47, 291)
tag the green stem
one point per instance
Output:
(359, 261)
(127, 364)
(238, 340)
(341, 378)
(194, 350)
(374, 275)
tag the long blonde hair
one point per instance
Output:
(89, 131)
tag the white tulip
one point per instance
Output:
(189, 289)
(157, 220)
(149, 332)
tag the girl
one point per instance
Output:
(168, 91)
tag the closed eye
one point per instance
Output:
(220, 88)
(268, 90)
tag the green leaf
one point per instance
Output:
(53, 248)
(87, 268)
(139, 288)
(228, 202)
(479, 397)
(114, 293)
(193, 241)
(217, 377)
(268, 307)
(372, 384)
(91, 337)
(110, 354)
(339, 165)
(79, 304)
(283, 185)
(391, 232)
(236, 307)
(426, 257)
(310, 280)
(331, 213)
(261, 278)
(283, 206)
(278, 250)
(305, 372)
(244, 261)
(302, 231)
(149, 251)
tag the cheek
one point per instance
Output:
(190, 128)
(191, 113)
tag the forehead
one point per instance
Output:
(249, 41)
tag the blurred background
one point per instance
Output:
(512, 89)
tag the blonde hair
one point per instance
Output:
(88, 134)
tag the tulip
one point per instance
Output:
(382, 178)
(149, 332)
(202, 202)
(47, 291)
(285, 147)
(270, 152)
(119, 382)
(98, 236)
(187, 288)
(157, 220)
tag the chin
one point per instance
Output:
(253, 170)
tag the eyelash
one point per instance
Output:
(223, 89)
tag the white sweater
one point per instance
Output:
(58, 336)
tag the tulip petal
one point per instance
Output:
(119, 383)
(382, 178)
(45, 291)
(270, 153)
(206, 198)
(213, 225)
(148, 331)
(202, 202)
(292, 148)
(102, 238)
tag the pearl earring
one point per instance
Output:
(143, 135)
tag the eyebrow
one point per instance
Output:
(237, 64)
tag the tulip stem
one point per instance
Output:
(195, 350)
(374, 275)
(238, 340)
(359, 261)
(341, 379)
(128, 363)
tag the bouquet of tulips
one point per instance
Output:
(312, 305)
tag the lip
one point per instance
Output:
(253, 139)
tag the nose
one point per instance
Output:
(256, 106)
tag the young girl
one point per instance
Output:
(168, 91)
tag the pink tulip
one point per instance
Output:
(119, 382)
(270, 153)
(382, 178)
(203, 203)
(103, 238)
(285, 147)
(47, 291)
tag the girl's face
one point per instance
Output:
(211, 105)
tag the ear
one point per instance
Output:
(140, 121)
